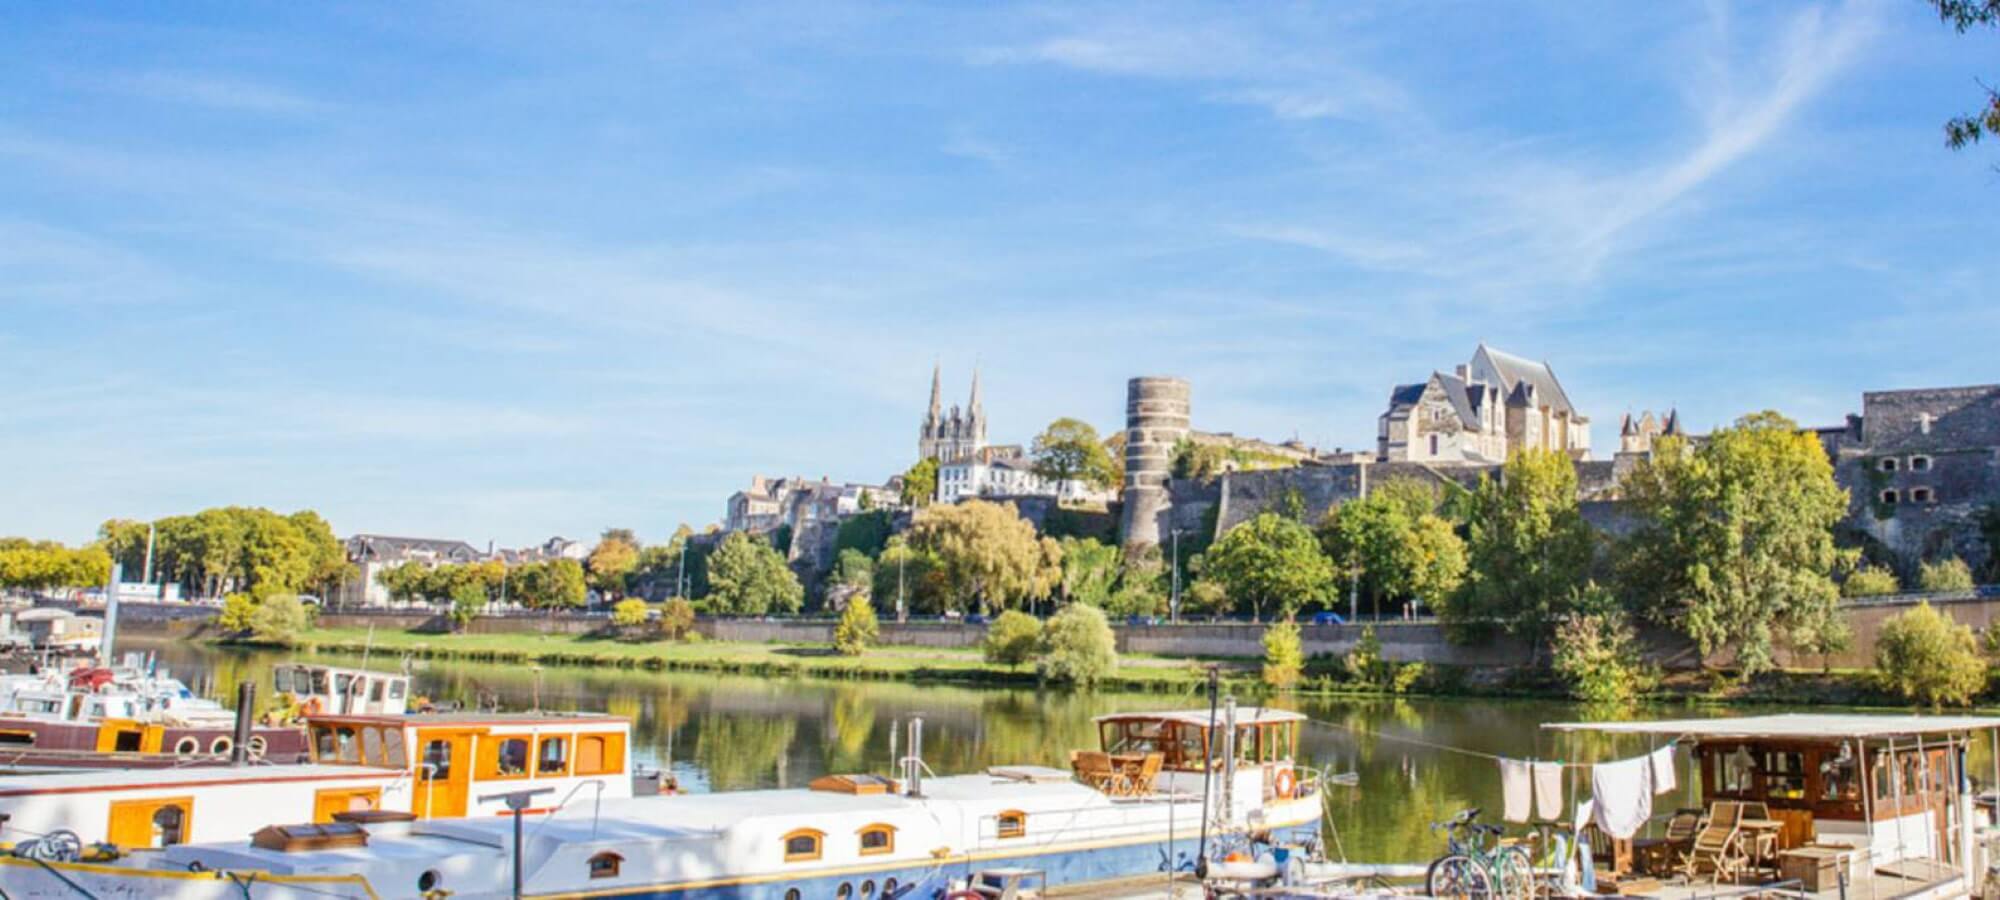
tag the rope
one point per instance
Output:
(1447, 748)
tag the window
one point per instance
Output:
(187, 746)
(221, 745)
(437, 760)
(1920, 463)
(510, 757)
(150, 823)
(281, 679)
(1011, 824)
(1920, 495)
(554, 758)
(1434, 445)
(605, 865)
(371, 746)
(1888, 464)
(1889, 496)
(375, 691)
(392, 748)
(877, 839)
(169, 825)
(347, 745)
(803, 844)
(396, 689)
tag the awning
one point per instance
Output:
(1794, 725)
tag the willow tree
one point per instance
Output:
(989, 557)
(1735, 543)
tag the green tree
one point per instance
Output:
(1198, 461)
(1527, 548)
(1284, 655)
(1869, 581)
(920, 483)
(1089, 568)
(550, 584)
(1070, 450)
(1963, 131)
(1392, 545)
(42, 565)
(867, 532)
(237, 610)
(280, 619)
(1139, 597)
(1078, 647)
(857, 628)
(748, 578)
(611, 562)
(1012, 638)
(1929, 659)
(629, 613)
(676, 618)
(912, 573)
(1950, 574)
(1270, 560)
(467, 599)
(1597, 656)
(1735, 541)
(988, 555)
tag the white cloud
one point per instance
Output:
(218, 92)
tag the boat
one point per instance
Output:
(421, 765)
(1163, 794)
(122, 715)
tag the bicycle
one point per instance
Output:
(1475, 866)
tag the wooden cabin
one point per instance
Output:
(1187, 743)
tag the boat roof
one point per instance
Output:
(1791, 725)
(1245, 715)
(472, 718)
(67, 781)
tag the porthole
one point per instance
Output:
(792, 894)
(187, 746)
(888, 889)
(845, 892)
(221, 745)
(429, 881)
(867, 889)
(257, 745)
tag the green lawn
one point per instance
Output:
(913, 663)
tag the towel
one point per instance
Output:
(1587, 873)
(1663, 770)
(1548, 791)
(1516, 790)
(1623, 793)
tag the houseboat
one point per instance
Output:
(123, 712)
(1837, 805)
(1160, 791)
(428, 766)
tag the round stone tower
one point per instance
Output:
(1156, 418)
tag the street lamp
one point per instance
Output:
(1174, 608)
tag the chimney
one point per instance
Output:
(1464, 372)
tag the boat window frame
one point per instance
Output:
(604, 864)
(886, 830)
(815, 835)
(1009, 824)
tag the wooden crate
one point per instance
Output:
(1819, 868)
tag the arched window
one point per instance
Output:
(878, 838)
(804, 844)
(605, 865)
(1920, 463)
(1011, 824)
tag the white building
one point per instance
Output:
(1006, 475)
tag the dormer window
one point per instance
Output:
(1011, 824)
(1920, 463)
(1890, 496)
(1888, 464)
(1920, 495)
(804, 845)
(605, 865)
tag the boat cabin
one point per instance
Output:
(1880, 793)
(343, 692)
(453, 759)
(1150, 752)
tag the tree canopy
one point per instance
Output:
(612, 562)
(1965, 15)
(920, 483)
(989, 556)
(1395, 545)
(1070, 450)
(42, 565)
(1271, 561)
(1735, 544)
(1527, 545)
(747, 577)
(234, 548)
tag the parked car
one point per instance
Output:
(1328, 618)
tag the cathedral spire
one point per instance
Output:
(973, 410)
(936, 402)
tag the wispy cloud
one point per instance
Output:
(215, 91)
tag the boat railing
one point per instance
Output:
(596, 808)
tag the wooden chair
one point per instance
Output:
(1094, 768)
(1715, 845)
(1658, 855)
(1140, 781)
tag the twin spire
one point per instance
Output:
(937, 393)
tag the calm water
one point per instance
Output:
(735, 732)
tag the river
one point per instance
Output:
(718, 732)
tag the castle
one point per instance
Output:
(952, 437)
(1481, 413)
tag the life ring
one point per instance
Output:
(1286, 783)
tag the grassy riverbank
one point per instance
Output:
(1139, 673)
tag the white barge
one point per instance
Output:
(1163, 787)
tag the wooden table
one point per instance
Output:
(1756, 834)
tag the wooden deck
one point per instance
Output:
(1917, 880)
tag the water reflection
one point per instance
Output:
(738, 732)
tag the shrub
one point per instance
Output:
(236, 612)
(467, 600)
(1929, 659)
(1597, 656)
(1366, 666)
(1948, 574)
(629, 613)
(1284, 655)
(1869, 581)
(677, 619)
(857, 627)
(1012, 638)
(1077, 646)
(1137, 596)
(280, 619)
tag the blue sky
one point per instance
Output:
(498, 272)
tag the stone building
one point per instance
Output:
(373, 554)
(1920, 468)
(952, 436)
(1481, 412)
(774, 502)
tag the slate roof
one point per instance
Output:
(1515, 371)
(389, 547)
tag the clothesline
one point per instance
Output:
(1448, 748)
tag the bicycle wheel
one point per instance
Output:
(1458, 878)
(1515, 870)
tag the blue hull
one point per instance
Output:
(1060, 867)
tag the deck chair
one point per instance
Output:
(1715, 846)
(1658, 855)
(1094, 768)
(1139, 783)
